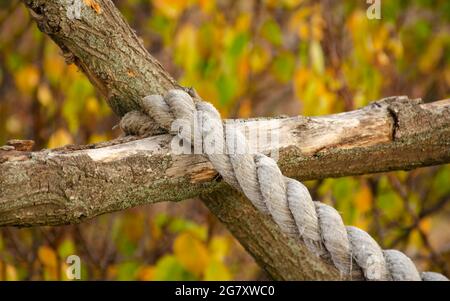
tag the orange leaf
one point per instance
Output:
(425, 225)
(47, 256)
(146, 273)
(94, 5)
(363, 199)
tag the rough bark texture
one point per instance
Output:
(47, 184)
(67, 185)
(282, 257)
(104, 46)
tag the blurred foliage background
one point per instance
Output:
(250, 58)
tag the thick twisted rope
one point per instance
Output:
(286, 200)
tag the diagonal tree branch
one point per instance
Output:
(62, 186)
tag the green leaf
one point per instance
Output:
(66, 248)
(238, 45)
(272, 32)
(178, 225)
(161, 220)
(74, 105)
(227, 87)
(14, 61)
(387, 200)
(441, 182)
(127, 271)
(168, 268)
(284, 66)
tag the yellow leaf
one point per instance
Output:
(303, 31)
(271, 3)
(317, 25)
(207, 90)
(243, 22)
(63, 268)
(380, 38)
(431, 57)
(362, 223)
(191, 253)
(54, 64)
(301, 77)
(73, 71)
(259, 58)
(171, 8)
(27, 78)
(11, 273)
(186, 53)
(92, 106)
(357, 24)
(363, 199)
(317, 57)
(396, 47)
(218, 247)
(291, 3)
(96, 138)
(44, 95)
(217, 271)
(60, 138)
(415, 240)
(207, 6)
(47, 256)
(298, 22)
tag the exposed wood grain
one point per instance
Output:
(66, 185)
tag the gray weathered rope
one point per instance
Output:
(286, 200)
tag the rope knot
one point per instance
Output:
(285, 200)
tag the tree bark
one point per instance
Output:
(67, 186)
(105, 48)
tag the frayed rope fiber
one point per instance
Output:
(286, 200)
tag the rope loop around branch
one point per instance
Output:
(285, 200)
